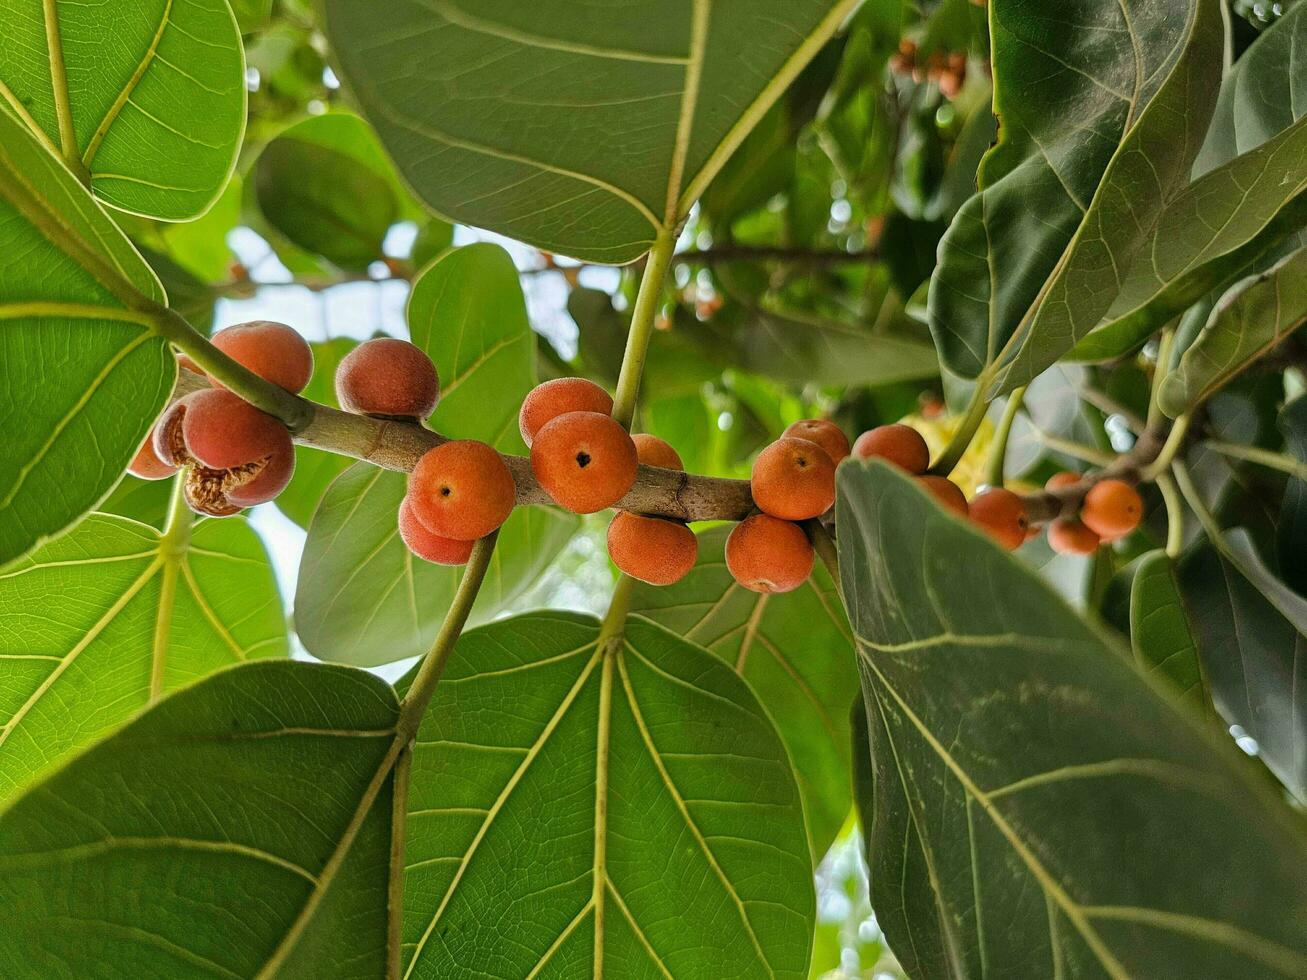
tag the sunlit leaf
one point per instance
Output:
(639, 785)
(101, 622)
(796, 653)
(84, 376)
(146, 99)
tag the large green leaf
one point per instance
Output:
(796, 652)
(1160, 635)
(467, 311)
(363, 598)
(104, 620)
(239, 828)
(1261, 95)
(83, 375)
(1252, 163)
(1246, 323)
(1041, 808)
(326, 184)
(796, 348)
(145, 99)
(1251, 630)
(618, 809)
(587, 129)
(1096, 132)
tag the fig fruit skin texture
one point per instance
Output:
(585, 461)
(947, 493)
(462, 489)
(236, 456)
(273, 351)
(419, 539)
(1112, 509)
(388, 377)
(652, 549)
(899, 444)
(793, 479)
(652, 451)
(824, 433)
(547, 401)
(768, 555)
(1068, 536)
(1002, 514)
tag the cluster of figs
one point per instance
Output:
(236, 456)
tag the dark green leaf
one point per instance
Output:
(1042, 809)
(101, 622)
(239, 828)
(1248, 321)
(326, 184)
(679, 359)
(148, 99)
(1238, 205)
(1067, 198)
(363, 598)
(1160, 635)
(1291, 530)
(84, 376)
(581, 130)
(800, 349)
(1252, 633)
(1260, 96)
(560, 782)
(795, 651)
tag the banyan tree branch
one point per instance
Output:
(398, 445)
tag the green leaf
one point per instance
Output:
(145, 100)
(326, 184)
(1251, 630)
(1022, 762)
(1031, 263)
(84, 376)
(315, 469)
(1237, 207)
(239, 828)
(587, 130)
(101, 622)
(1160, 635)
(1250, 319)
(678, 361)
(1259, 97)
(800, 349)
(1291, 528)
(559, 782)
(796, 653)
(363, 598)
(467, 311)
